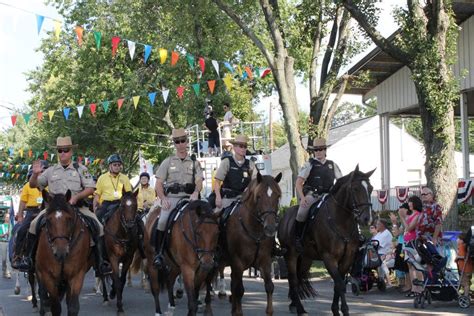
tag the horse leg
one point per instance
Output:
(295, 306)
(343, 269)
(237, 289)
(171, 281)
(188, 278)
(73, 292)
(31, 280)
(221, 283)
(120, 286)
(102, 282)
(155, 289)
(179, 291)
(17, 283)
(115, 275)
(208, 298)
(129, 279)
(45, 304)
(266, 273)
(339, 284)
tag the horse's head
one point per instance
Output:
(263, 194)
(128, 210)
(353, 193)
(206, 233)
(61, 219)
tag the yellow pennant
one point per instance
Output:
(163, 55)
(57, 29)
(21, 152)
(50, 114)
(239, 71)
(135, 100)
(228, 81)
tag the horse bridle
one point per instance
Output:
(261, 216)
(356, 206)
(69, 239)
(125, 223)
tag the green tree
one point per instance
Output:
(348, 112)
(426, 44)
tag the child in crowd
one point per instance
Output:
(464, 264)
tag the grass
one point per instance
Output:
(318, 270)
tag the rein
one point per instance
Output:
(125, 228)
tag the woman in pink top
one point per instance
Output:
(410, 222)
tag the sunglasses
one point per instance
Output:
(319, 149)
(423, 194)
(241, 146)
(60, 151)
(180, 141)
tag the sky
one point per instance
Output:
(19, 40)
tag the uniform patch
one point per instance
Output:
(330, 166)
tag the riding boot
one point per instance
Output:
(102, 266)
(141, 229)
(25, 264)
(158, 261)
(299, 226)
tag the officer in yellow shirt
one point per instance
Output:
(146, 194)
(109, 187)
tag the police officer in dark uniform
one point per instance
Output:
(315, 179)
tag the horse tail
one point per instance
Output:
(136, 263)
(305, 288)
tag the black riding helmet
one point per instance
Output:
(145, 174)
(114, 158)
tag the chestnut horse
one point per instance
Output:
(331, 236)
(249, 238)
(191, 252)
(121, 242)
(62, 258)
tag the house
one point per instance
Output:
(359, 143)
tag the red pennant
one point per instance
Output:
(249, 72)
(212, 85)
(39, 115)
(93, 108)
(30, 153)
(13, 120)
(120, 103)
(180, 91)
(202, 64)
(45, 155)
(266, 72)
(174, 58)
(115, 42)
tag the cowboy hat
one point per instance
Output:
(178, 133)
(64, 142)
(318, 143)
(239, 139)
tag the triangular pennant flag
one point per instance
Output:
(13, 117)
(39, 115)
(45, 155)
(174, 58)
(151, 97)
(26, 117)
(37, 153)
(228, 66)
(120, 103)
(163, 55)
(239, 71)
(50, 114)
(66, 113)
(79, 159)
(244, 76)
(52, 156)
(215, 63)
(249, 72)
(202, 64)
(98, 39)
(79, 32)
(135, 101)
(257, 72)
(11, 151)
(190, 59)
(165, 93)
(266, 72)
(180, 91)
(21, 153)
(93, 108)
(228, 81)
(211, 84)
(196, 87)
(147, 52)
(131, 48)
(30, 153)
(105, 105)
(80, 109)
(115, 42)
(39, 22)
(57, 29)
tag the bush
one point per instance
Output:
(465, 209)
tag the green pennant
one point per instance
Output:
(105, 105)
(26, 117)
(190, 59)
(37, 153)
(197, 88)
(98, 39)
(257, 72)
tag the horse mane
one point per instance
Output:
(356, 174)
(58, 201)
(202, 208)
(250, 195)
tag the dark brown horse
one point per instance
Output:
(332, 236)
(191, 252)
(250, 237)
(62, 258)
(121, 241)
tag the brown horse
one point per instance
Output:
(62, 258)
(332, 236)
(191, 252)
(250, 236)
(121, 241)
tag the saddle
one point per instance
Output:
(226, 213)
(314, 209)
(108, 212)
(174, 215)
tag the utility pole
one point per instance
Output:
(270, 122)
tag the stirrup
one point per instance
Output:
(105, 268)
(24, 265)
(159, 261)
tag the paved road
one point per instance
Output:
(137, 302)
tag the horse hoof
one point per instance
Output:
(293, 309)
(120, 313)
(48, 314)
(17, 290)
(179, 294)
(105, 303)
(222, 294)
(35, 309)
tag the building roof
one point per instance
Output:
(381, 65)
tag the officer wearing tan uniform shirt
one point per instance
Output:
(61, 177)
(178, 177)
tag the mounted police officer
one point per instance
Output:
(315, 179)
(60, 178)
(178, 177)
(233, 175)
